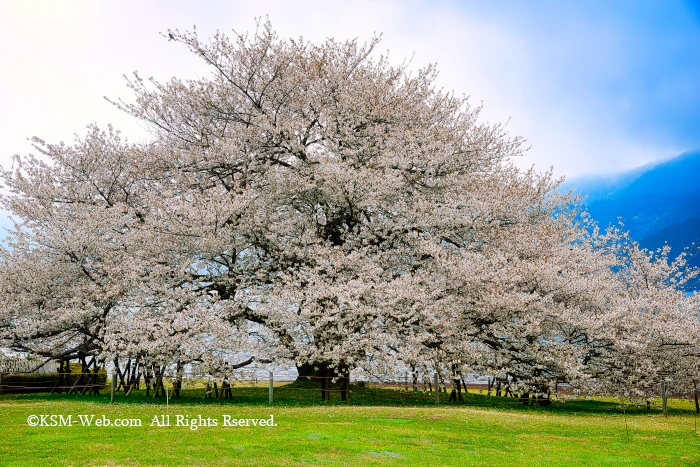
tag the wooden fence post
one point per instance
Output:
(437, 389)
(271, 389)
(664, 399)
(114, 385)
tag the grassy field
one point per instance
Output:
(378, 427)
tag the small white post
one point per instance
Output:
(271, 389)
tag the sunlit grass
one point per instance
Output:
(377, 427)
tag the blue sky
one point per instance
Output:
(595, 87)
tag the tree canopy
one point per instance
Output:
(317, 204)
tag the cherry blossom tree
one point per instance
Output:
(651, 334)
(331, 170)
(315, 203)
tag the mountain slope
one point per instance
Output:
(648, 199)
(678, 236)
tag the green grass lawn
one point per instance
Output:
(378, 427)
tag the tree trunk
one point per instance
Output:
(122, 383)
(325, 382)
(543, 399)
(63, 376)
(525, 398)
(81, 377)
(508, 392)
(345, 390)
(177, 384)
(158, 387)
(147, 379)
(134, 377)
(88, 381)
(324, 375)
(305, 370)
(226, 389)
(95, 385)
(456, 394)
